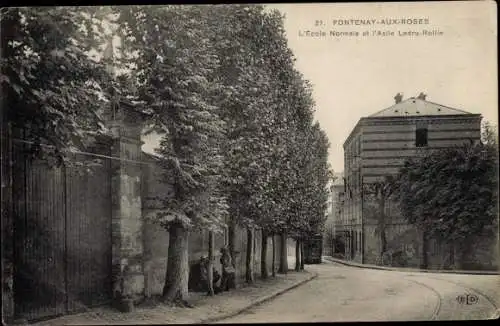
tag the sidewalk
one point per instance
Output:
(207, 309)
(405, 269)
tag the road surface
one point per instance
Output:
(342, 293)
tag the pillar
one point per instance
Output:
(127, 246)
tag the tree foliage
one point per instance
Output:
(315, 177)
(51, 85)
(250, 110)
(175, 71)
(451, 193)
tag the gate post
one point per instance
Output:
(126, 227)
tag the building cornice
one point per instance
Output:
(354, 131)
(411, 119)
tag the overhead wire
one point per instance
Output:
(85, 153)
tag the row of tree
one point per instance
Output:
(218, 83)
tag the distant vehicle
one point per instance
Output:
(313, 249)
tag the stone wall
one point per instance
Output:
(371, 245)
(240, 253)
(483, 253)
(405, 245)
(155, 238)
(155, 186)
(156, 253)
(486, 253)
(439, 255)
(155, 189)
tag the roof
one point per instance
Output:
(417, 107)
(411, 107)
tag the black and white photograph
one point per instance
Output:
(249, 163)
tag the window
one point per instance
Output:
(421, 137)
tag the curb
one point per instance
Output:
(402, 269)
(257, 302)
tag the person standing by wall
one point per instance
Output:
(228, 271)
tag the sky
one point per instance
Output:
(355, 76)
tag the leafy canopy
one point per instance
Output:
(451, 193)
(51, 85)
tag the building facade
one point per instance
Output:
(334, 242)
(377, 147)
(336, 188)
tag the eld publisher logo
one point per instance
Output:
(467, 299)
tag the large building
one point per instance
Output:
(377, 147)
(333, 223)
(334, 203)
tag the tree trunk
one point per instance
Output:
(383, 242)
(302, 255)
(463, 254)
(283, 254)
(274, 256)
(211, 263)
(383, 239)
(425, 248)
(249, 258)
(177, 275)
(451, 259)
(232, 239)
(297, 255)
(263, 256)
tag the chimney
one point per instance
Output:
(398, 97)
(422, 96)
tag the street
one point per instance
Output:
(342, 293)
